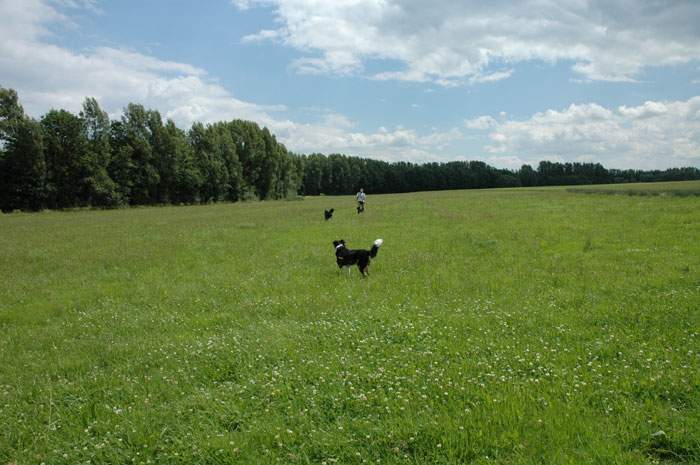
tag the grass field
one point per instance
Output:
(680, 188)
(511, 326)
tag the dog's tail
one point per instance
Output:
(375, 248)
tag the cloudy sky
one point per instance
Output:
(611, 81)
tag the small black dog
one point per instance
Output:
(328, 214)
(348, 257)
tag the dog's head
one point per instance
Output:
(339, 243)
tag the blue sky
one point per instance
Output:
(616, 82)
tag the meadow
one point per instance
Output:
(502, 326)
(679, 188)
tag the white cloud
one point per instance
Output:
(48, 76)
(480, 123)
(245, 4)
(339, 63)
(651, 135)
(392, 145)
(648, 110)
(511, 162)
(493, 77)
(260, 36)
(452, 43)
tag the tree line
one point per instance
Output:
(65, 160)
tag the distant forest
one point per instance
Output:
(66, 160)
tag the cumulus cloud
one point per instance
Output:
(648, 110)
(48, 76)
(397, 144)
(452, 43)
(651, 135)
(493, 77)
(244, 4)
(511, 162)
(260, 36)
(480, 123)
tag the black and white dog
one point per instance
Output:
(328, 214)
(348, 257)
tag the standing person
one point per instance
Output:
(361, 199)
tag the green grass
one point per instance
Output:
(679, 188)
(510, 326)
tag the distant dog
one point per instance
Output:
(348, 257)
(328, 214)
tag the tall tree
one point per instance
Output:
(250, 148)
(134, 152)
(188, 177)
(22, 164)
(100, 188)
(211, 165)
(67, 167)
(168, 146)
(120, 164)
(225, 146)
